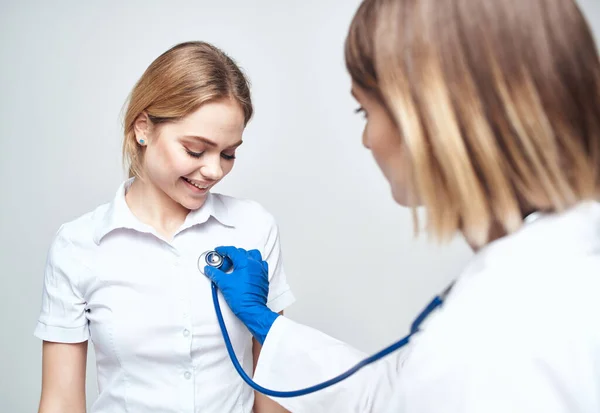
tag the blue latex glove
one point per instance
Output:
(245, 289)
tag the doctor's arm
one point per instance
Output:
(263, 404)
(63, 377)
(295, 356)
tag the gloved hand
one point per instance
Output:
(245, 289)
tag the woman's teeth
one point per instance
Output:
(196, 185)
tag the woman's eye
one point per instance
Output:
(225, 156)
(194, 154)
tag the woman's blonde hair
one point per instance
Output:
(497, 103)
(176, 84)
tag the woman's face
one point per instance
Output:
(382, 138)
(185, 159)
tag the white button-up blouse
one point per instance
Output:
(148, 310)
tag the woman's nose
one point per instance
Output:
(212, 170)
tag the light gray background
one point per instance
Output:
(66, 68)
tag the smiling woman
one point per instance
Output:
(184, 158)
(125, 275)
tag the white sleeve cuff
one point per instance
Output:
(281, 301)
(61, 334)
(269, 353)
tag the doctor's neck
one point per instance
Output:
(153, 207)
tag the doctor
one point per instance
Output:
(487, 114)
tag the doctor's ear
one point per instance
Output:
(142, 128)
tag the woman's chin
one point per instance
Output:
(192, 203)
(403, 198)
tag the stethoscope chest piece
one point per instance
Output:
(210, 258)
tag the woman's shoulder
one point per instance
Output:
(80, 230)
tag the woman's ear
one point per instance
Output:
(142, 127)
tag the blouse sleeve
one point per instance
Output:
(280, 293)
(63, 314)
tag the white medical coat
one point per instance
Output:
(518, 333)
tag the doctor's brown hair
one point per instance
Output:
(176, 84)
(497, 103)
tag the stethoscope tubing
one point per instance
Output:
(436, 302)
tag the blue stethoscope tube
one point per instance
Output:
(436, 302)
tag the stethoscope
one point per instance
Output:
(214, 259)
